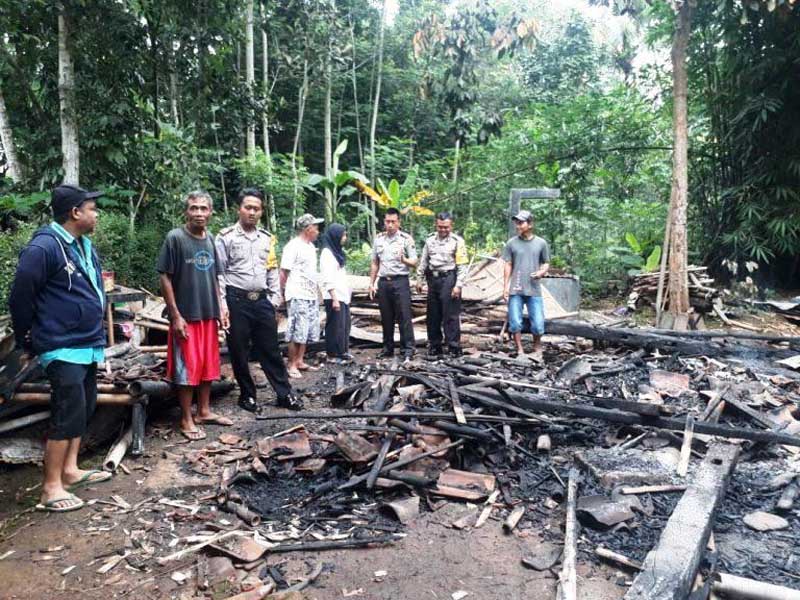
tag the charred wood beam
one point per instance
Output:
(531, 402)
(649, 340)
(334, 544)
(669, 571)
(421, 415)
(378, 462)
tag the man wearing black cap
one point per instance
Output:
(57, 303)
(527, 260)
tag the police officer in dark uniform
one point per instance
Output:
(444, 266)
(249, 280)
(393, 256)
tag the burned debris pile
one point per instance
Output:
(608, 451)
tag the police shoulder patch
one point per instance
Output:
(227, 230)
(265, 232)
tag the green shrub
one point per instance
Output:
(132, 258)
(359, 258)
(11, 242)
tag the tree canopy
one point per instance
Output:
(456, 102)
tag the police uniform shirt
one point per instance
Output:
(445, 254)
(247, 260)
(386, 250)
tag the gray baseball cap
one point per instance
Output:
(523, 215)
(307, 220)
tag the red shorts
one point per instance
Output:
(196, 359)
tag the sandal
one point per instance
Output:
(305, 367)
(89, 478)
(193, 434)
(214, 419)
(294, 373)
(50, 505)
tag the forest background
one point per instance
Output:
(343, 107)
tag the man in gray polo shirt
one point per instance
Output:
(527, 260)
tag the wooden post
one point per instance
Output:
(110, 319)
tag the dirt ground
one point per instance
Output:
(434, 560)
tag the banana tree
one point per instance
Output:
(339, 185)
(397, 195)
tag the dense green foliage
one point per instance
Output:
(535, 95)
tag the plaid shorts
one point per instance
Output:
(303, 325)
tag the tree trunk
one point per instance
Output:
(152, 33)
(678, 289)
(328, 134)
(272, 219)
(377, 99)
(355, 95)
(13, 167)
(265, 79)
(219, 160)
(250, 77)
(70, 149)
(173, 86)
(301, 108)
(455, 161)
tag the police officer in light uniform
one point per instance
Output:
(249, 282)
(393, 256)
(444, 266)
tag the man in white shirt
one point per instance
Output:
(299, 286)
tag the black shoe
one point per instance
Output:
(454, 351)
(434, 353)
(248, 404)
(291, 402)
(386, 354)
(408, 356)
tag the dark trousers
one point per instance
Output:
(337, 329)
(73, 398)
(253, 324)
(443, 311)
(394, 301)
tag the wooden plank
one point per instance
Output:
(686, 447)
(458, 410)
(669, 570)
(568, 578)
(756, 416)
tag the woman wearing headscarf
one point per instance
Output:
(336, 293)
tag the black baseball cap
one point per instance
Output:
(66, 197)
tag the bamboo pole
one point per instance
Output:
(118, 450)
(44, 398)
(24, 421)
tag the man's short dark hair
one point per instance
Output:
(254, 192)
(62, 218)
(393, 211)
(444, 216)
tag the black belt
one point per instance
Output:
(393, 277)
(437, 274)
(244, 294)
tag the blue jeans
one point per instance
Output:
(535, 313)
